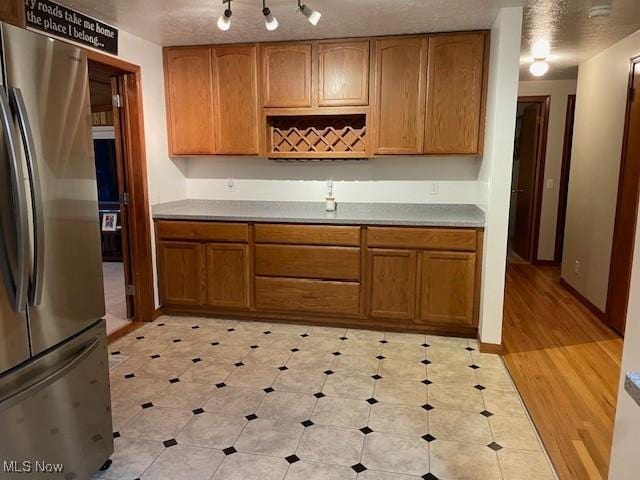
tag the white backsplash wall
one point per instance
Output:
(388, 179)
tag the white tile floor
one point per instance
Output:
(202, 399)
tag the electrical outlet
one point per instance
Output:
(230, 184)
(576, 267)
(549, 183)
(434, 188)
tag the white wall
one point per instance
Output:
(625, 461)
(558, 90)
(595, 165)
(495, 171)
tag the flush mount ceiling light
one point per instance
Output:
(224, 22)
(312, 15)
(270, 21)
(599, 11)
(539, 67)
(540, 49)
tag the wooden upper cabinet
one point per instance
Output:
(343, 73)
(455, 94)
(447, 288)
(235, 88)
(12, 11)
(188, 77)
(286, 75)
(400, 69)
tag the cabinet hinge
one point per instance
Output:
(117, 101)
(131, 290)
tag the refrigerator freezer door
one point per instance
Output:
(57, 410)
(52, 78)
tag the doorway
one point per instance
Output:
(118, 129)
(627, 208)
(526, 184)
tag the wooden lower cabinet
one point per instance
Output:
(182, 273)
(447, 288)
(392, 283)
(227, 275)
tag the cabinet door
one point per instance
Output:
(447, 286)
(343, 73)
(189, 101)
(227, 275)
(182, 274)
(286, 75)
(455, 94)
(235, 87)
(392, 283)
(400, 88)
(12, 11)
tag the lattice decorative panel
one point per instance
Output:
(340, 136)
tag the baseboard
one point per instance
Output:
(495, 348)
(546, 263)
(158, 312)
(124, 331)
(584, 300)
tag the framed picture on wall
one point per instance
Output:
(109, 222)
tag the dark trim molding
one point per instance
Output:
(564, 177)
(495, 348)
(584, 300)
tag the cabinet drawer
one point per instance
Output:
(336, 263)
(307, 295)
(422, 238)
(308, 234)
(205, 231)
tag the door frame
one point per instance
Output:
(564, 177)
(621, 231)
(135, 171)
(538, 183)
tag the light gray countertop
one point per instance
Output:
(632, 385)
(433, 215)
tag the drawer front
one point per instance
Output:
(308, 234)
(315, 296)
(204, 231)
(335, 263)
(452, 239)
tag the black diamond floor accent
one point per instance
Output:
(479, 387)
(130, 375)
(425, 345)
(292, 459)
(336, 353)
(486, 413)
(147, 405)
(427, 407)
(426, 362)
(474, 366)
(366, 430)
(318, 395)
(155, 356)
(304, 335)
(214, 344)
(253, 416)
(254, 346)
(344, 338)
(174, 380)
(380, 357)
(328, 372)
(115, 353)
(170, 443)
(229, 451)
(469, 349)
(383, 341)
(197, 411)
(283, 368)
(428, 438)
(429, 476)
(268, 332)
(426, 381)
(221, 385)
(358, 467)
(177, 340)
(376, 377)
(196, 360)
(195, 327)
(116, 434)
(268, 390)
(295, 350)
(372, 401)
(161, 324)
(239, 364)
(231, 329)
(140, 337)
(307, 423)
(495, 446)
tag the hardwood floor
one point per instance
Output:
(566, 364)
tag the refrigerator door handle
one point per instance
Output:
(17, 397)
(37, 273)
(17, 284)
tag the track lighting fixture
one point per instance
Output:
(270, 21)
(312, 15)
(224, 22)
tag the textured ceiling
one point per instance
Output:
(573, 36)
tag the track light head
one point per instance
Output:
(313, 16)
(270, 21)
(224, 22)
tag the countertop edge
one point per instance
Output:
(632, 386)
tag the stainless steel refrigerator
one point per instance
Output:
(54, 383)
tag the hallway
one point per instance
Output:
(566, 365)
